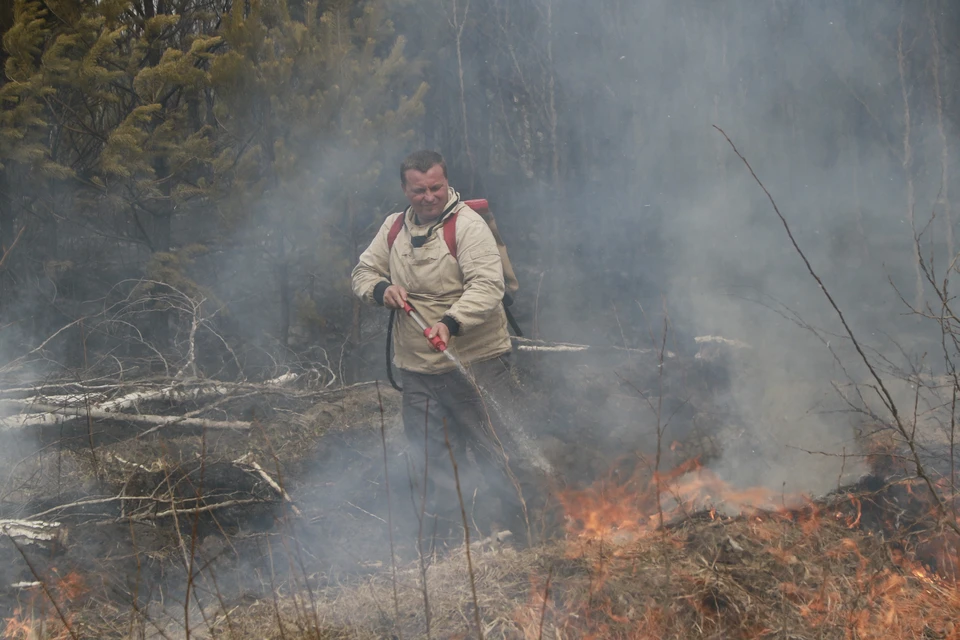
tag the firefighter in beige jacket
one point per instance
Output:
(461, 297)
(462, 293)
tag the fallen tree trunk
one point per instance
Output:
(36, 532)
(184, 392)
(72, 387)
(247, 460)
(52, 415)
(186, 511)
(64, 401)
(172, 393)
(542, 346)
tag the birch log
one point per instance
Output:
(172, 394)
(51, 415)
(49, 534)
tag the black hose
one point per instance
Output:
(393, 383)
(510, 319)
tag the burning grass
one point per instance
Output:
(678, 554)
(746, 577)
(835, 568)
(41, 614)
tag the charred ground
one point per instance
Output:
(271, 519)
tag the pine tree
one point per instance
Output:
(307, 109)
(102, 101)
(103, 142)
(21, 117)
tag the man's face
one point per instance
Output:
(427, 192)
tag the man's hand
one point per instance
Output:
(394, 297)
(441, 330)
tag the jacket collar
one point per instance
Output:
(410, 219)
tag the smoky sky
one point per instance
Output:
(835, 107)
(651, 209)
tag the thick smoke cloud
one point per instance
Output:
(625, 200)
(835, 107)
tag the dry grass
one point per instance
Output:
(807, 574)
(776, 576)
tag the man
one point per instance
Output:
(461, 297)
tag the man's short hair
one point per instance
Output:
(421, 161)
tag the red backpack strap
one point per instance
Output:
(480, 205)
(395, 230)
(450, 233)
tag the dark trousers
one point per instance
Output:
(469, 414)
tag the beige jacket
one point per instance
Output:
(468, 288)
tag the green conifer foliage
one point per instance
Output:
(22, 117)
(132, 131)
(309, 109)
(90, 107)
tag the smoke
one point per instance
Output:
(653, 214)
(835, 107)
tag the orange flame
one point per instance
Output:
(620, 513)
(38, 619)
(869, 598)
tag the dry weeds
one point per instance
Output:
(806, 575)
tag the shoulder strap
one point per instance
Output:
(450, 224)
(395, 230)
(480, 205)
(450, 233)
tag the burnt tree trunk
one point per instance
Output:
(6, 234)
(356, 316)
(6, 212)
(162, 211)
(283, 282)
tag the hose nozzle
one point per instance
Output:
(436, 341)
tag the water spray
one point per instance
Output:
(526, 446)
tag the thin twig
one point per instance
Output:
(86, 402)
(270, 481)
(362, 510)
(275, 593)
(46, 592)
(466, 532)
(881, 389)
(386, 481)
(6, 254)
(421, 514)
(546, 594)
(188, 512)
